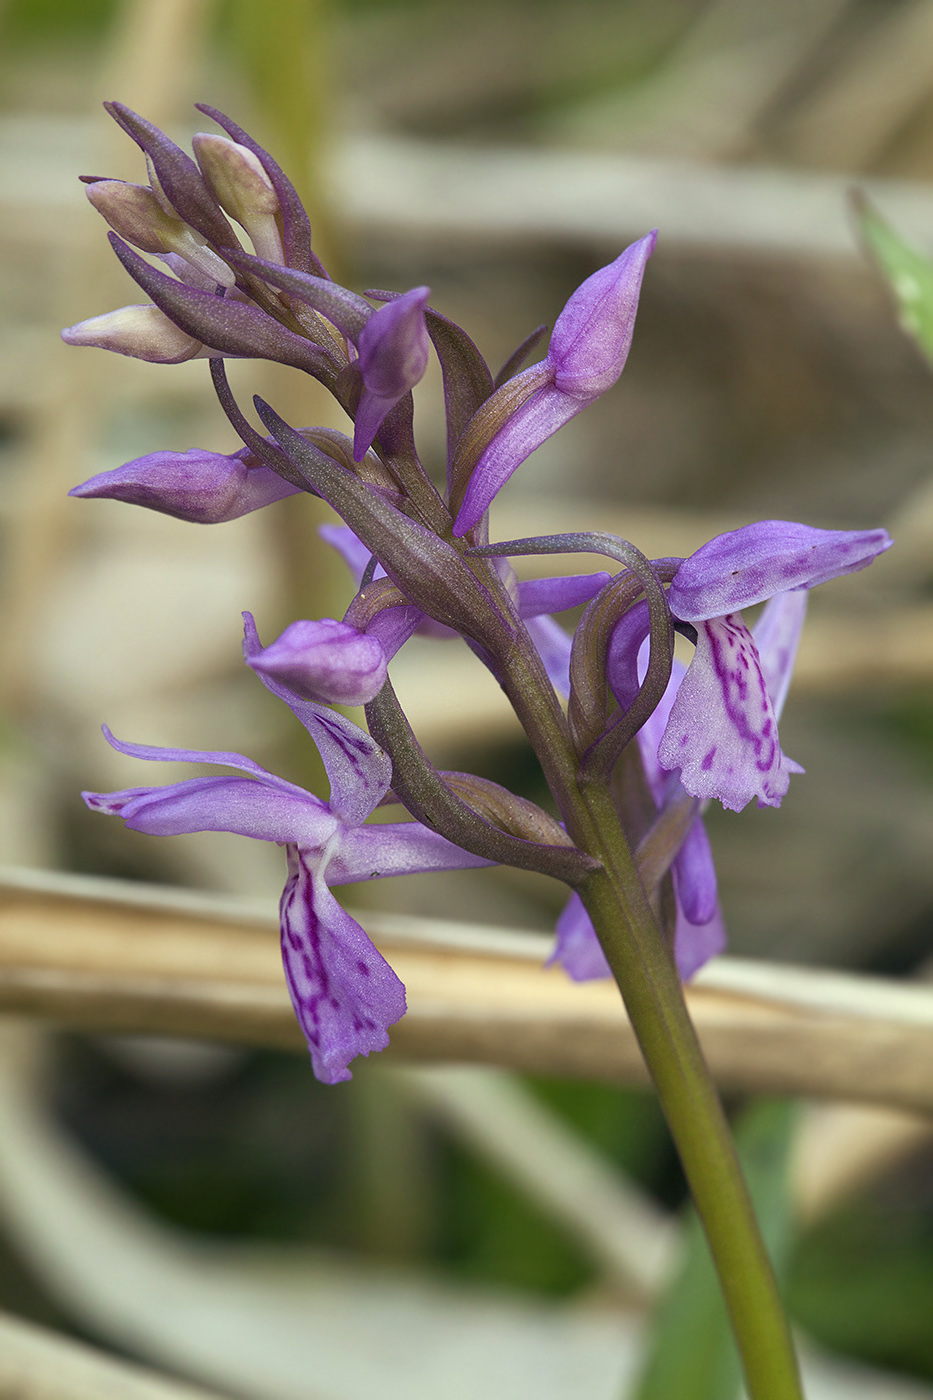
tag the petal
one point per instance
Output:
(746, 566)
(394, 345)
(355, 554)
(393, 348)
(220, 804)
(695, 876)
(554, 644)
(142, 332)
(577, 948)
(224, 756)
(593, 334)
(325, 660)
(578, 951)
(371, 412)
(552, 595)
(722, 733)
(695, 944)
(776, 634)
(344, 993)
(358, 770)
(204, 487)
(395, 848)
(539, 417)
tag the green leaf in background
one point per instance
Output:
(692, 1355)
(908, 273)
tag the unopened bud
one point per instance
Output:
(243, 189)
(142, 332)
(393, 347)
(325, 661)
(204, 487)
(138, 215)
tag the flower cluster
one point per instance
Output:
(607, 708)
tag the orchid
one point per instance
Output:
(344, 993)
(631, 743)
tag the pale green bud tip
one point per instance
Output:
(235, 175)
(143, 332)
(135, 214)
(243, 189)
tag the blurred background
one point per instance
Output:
(500, 153)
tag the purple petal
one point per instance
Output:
(577, 948)
(552, 595)
(204, 487)
(355, 554)
(393, 348)
(395, 848)
(626, 661)
(358, 770)
(578, 951)
(393, 627)
(325, 660)
(220, 804)
(225, 756)
(344, 993)
(554, 644)
(776, 634)
(695, 944)
(695, 876)
(722, 733)
(746, 566)
(593, 334)
(539, 417)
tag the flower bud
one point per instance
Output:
(143, 332)
(325, 661)
(243, 189)
(204, 487)
(593, 334)
(393, 348)
(138, 215)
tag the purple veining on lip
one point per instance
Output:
(722, 732)
(344, 992)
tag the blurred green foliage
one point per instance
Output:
(862, 1282)
(908, 273)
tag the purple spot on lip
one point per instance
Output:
(707, 763)
(362, 968)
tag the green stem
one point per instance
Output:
(647, 978)
(651, 989)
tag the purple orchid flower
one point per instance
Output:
(722, 733)
(204, 487)
(589, 345)
(344, 993)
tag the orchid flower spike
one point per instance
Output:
(344, 993)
